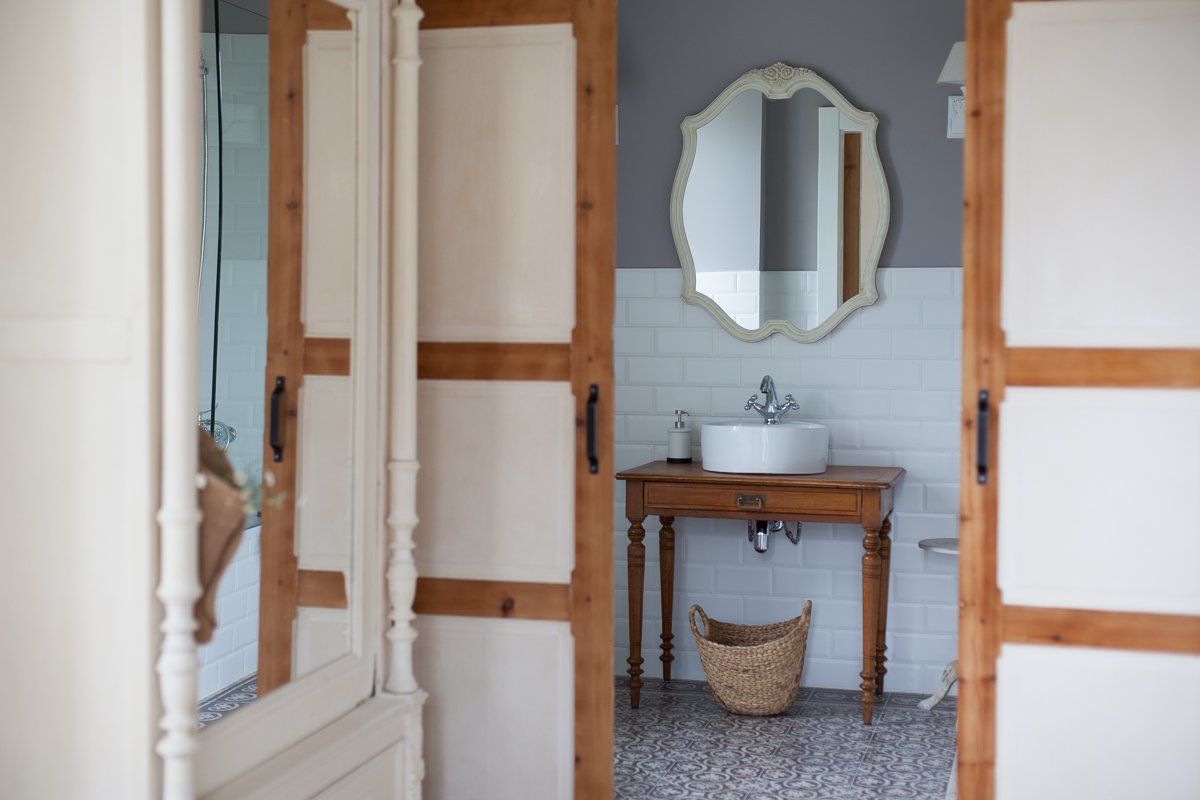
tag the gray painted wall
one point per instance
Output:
(675, 56)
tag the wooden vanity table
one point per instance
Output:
(859, 495)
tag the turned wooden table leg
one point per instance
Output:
(637, 570)
(871, 565)
(666, 576)
(885, 559)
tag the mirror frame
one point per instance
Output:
(778, 82)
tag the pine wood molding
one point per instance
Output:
(493, 361)
(285, 335)
(851, 214)
(592, 365)
(1166, 633)
(326, 356)
(322, 15)
(1098, 367)
(485, 13)
(508, 599)
(983, 368)
(321, 589)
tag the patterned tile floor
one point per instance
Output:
(227, 701)
(681, 745)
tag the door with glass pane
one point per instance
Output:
(1080, 623)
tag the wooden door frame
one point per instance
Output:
(983, 368)
(587, 362)
(283, 586)
(985, 622)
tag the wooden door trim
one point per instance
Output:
(1165, 633)
(851, 214)
(321, 589)
(458, 597)
(326, 356)
(493, 361)
(595, 28)
(285, 334)
(1103, 367)
(321, 15)
(486, 13)
(983, 369)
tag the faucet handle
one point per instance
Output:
(752, 404)
(789, 404)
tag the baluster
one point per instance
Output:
(403, 466)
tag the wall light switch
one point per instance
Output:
(956, 122)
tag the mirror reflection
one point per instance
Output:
(232, 316)
(780, 206)
(277, 595)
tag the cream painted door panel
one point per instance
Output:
(1097, 723)
(497, 184)
(477, 521)
(499, 722)
(1102, 518)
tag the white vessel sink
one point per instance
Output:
(786, 448)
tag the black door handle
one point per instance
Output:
(981, 438)
(593, 398)
(276, 439)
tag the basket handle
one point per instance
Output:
(692, 612)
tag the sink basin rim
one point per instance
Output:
(789, 447)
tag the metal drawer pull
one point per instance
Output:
(748, 500)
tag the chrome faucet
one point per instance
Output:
(772, 411)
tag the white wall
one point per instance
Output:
(79, 363)
(724, 190)
(887, 384)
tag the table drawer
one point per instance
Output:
(773, 503)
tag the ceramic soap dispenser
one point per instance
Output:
(679, 440)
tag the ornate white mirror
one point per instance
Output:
(780, 207)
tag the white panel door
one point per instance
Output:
(497, 457)
(1082, 395)
(515, 297)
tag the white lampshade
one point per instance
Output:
(955, 70)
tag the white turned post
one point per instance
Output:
(179, 516)
(402, 458)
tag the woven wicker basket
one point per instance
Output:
(752, 669)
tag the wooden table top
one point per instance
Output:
(832, 477)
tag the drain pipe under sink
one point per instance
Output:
(758, 532)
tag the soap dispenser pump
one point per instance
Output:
(679, 440)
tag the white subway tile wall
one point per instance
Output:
(233, 652)
(886, 382)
